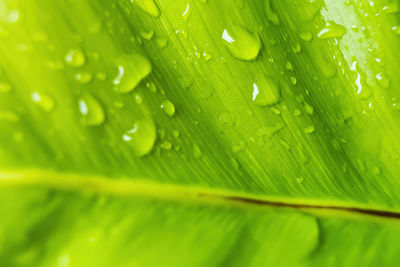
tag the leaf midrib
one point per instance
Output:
(141, 187)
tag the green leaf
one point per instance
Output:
(153, 129)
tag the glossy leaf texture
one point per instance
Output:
(174, 109)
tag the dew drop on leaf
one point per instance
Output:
(92, 112)
(391, 8)
(276, 111)
(138, 98)
(383, 80)
(197, 151)
(141, 137)
(306, 36)
(241, 43)
(309, 109)
(130, 72)
(166, 145)
(44, 101)
(83, 77)
(271, 15)
(265, 92)
(288, 65)
(332, 30)
(176, 133)
(309, 129)
(297, 112)
(147, 34)
(162, 42)
(75, 58)
(148, 6)
(168, 107)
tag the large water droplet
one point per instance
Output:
(92, 112)
(44, 101)
(148, 6)
(141, 137)
(75, 58)
(168, 107)
(130, 73)
(265, 92)
(241, 43)
(332, 30)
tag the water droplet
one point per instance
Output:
(293, 80)
(166, 145)
(162, 42)
(130, 73)
(265, 92)
(297, 112)
(396, 29)
(296, 48)
(239, 147)
(148, 6)
(241, 43)
(176, 133)
(299, 179)
(309, 109)
(83, 77)
(307, 10)
(227, 118)
(168, 107)
(306, 36)
(5, 87)
(147, 34)
(141, 137)
(197, 151)
(44, 101)
(288, 65)
(391, 8)
(332, 30)
(309, 129)
(271, 16)
(75, 58)
(382, 79)
(206, 56)
(138, 98)
(92, 112)
(276, 111)
(187, 12)
(268, 131)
